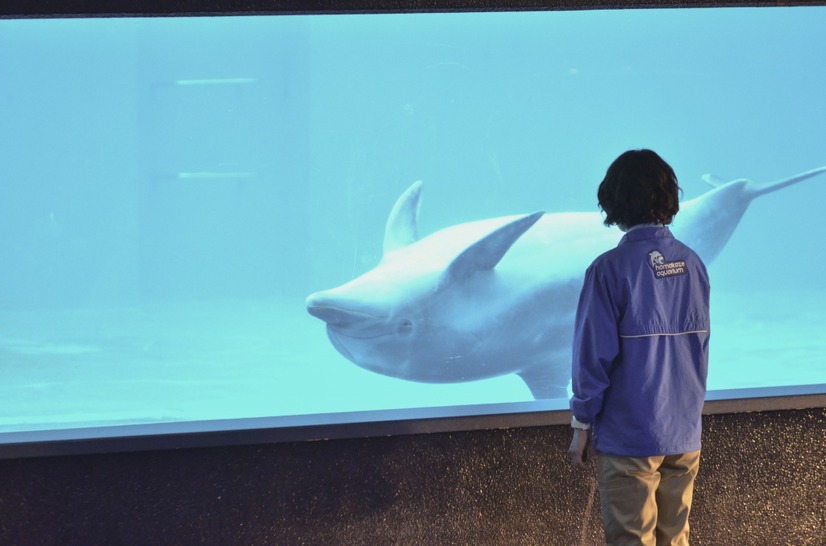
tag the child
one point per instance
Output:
(640, 359)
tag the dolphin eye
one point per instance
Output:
(405, 326)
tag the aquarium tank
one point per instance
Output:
(206, 219)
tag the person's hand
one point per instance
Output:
(578, 451)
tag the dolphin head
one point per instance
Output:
(379, 320)
(412, 315)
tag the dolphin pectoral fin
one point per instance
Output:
(402, 224)
(486, 253)
(544, 383)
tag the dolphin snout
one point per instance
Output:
(343, 317)
(332, 316)
(318, 307)
(335, 312)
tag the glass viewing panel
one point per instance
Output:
(173, 190)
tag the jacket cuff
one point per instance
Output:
(579, 424)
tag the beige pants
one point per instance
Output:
(646, 500)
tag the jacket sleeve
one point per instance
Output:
(596, 346)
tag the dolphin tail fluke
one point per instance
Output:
(757, 189)
(705, 223)
(713, 180)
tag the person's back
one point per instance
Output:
(657, 388)
(640, 358)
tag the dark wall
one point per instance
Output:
(762, 482)
(27, 8)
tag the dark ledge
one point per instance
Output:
(267, 430)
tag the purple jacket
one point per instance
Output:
(640, 353)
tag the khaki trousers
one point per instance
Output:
(646, 500)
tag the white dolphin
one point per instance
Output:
(496, 296)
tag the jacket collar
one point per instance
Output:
(643, 232)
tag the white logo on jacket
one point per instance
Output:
(662, 268)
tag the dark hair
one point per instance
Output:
(639, 188)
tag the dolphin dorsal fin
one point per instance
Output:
(486, 253)
(402, 224)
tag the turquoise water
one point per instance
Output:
(171, 190)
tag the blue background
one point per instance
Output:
(172, 189)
